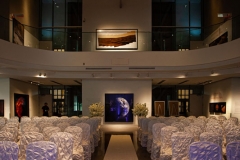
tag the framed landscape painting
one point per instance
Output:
(118, 107)
(21, 105)
(117, 39)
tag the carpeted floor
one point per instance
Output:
(101, 149)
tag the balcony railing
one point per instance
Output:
(161, 38)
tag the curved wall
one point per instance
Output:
(16, 55)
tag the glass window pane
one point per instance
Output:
(46, 34)
(59, 13)
(50, 91)
(195, 34)
(55, 92)
(55, 97)
(182, 13)
(191, 91)
(59, 92)
(47, 13)
(182, 38)
(74, 13)
(195, 13)
(179, 97)
(187, 92)
(59, 38)
(179, 92)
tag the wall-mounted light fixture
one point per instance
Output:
(42, 75)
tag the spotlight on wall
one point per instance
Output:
(42, 75)
(35, 82)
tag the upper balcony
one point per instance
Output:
(70, 53)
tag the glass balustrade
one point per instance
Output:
(161, 38)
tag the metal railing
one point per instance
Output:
(161, 38)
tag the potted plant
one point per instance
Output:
(96, 110)
(140, 110)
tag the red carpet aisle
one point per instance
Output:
(120, 148)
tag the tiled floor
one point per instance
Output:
(105, 138)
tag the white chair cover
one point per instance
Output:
(204, 151)
(85, 140)
(96, 134)
(36, 119)
(179, 125)
(166, 143)
(63, 125)
(12, 130)
(29, 129)
(139, 131)
(221, 119)
(194, 130)
(212, 117)
(64, 142)
(11, 124)
(13, 119)
(6, 136)
(156, 144)
(91, 124)
(233, 136)
(233, 150)
(186, 122)
(48, 131)
(198, 124)
(2, 122)
(234, 120)
(8, 150)
(212, 137)
(150, 135)
(25, 119)
(41, 150)
(42, 125)
(180, 145)
(144, 137)
(74, 120)
(168, 121)
(26, 138)
(215, 129)
(77, 138)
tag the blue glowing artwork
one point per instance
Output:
(118, 107)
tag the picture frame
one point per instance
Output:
(116, 39)
(118, 107)
(217, 107)
(21, 105)
(1, 107)
(159, 108)
(173, 108)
